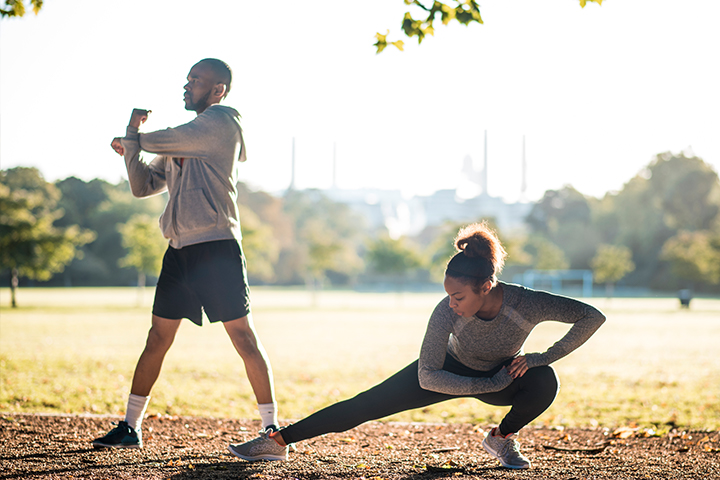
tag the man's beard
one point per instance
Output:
(200, 105)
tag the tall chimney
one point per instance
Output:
(334, 177)
(523, 185)
(485, 169)
(292, 167)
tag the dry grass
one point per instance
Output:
(73, 350)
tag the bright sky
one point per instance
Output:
(597, 92)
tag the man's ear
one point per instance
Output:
(219, 91)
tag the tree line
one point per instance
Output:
(660, 231)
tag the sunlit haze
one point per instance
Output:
(597, 92)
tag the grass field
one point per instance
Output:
(74, 350)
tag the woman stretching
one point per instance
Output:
(473, 347)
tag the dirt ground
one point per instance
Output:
(54, 447)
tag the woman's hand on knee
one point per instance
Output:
(518, 367)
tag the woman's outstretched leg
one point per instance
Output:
(398, 393)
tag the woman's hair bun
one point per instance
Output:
(479, 240)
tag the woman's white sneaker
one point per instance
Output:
(505, 449)
(260, 448)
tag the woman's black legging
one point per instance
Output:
(529, 396)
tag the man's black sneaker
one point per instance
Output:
(122, 436)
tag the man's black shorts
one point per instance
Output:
(210, 276)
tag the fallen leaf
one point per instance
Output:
(623, 432)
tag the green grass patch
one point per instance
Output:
(74, 351)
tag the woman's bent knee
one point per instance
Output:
(543, 380)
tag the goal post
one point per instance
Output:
(555, 279)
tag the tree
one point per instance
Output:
(674, 192)
(694, 256)
(327, 238)
(393, 258)
(260, 246)
(464, 12)
(565, 218)
(101, 206)
(145, 246)
(16, 8)
(546, 255)
(326, 251)
(31, 245)
(610, 264)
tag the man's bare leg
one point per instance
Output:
(128, 433)
(257, 365)
(160, 338)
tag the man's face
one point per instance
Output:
(201, 81)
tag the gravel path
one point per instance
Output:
(55, 447)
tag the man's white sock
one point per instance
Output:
(136, 407)
(268, 414)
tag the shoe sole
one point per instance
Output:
(270, 458)
(489, 450)
(99, 446)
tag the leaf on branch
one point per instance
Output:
(584, 2)
(447, 13)
(381, 41)
(16, 8)
(463, 11)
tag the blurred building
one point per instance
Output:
(402, 216)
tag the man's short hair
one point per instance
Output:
(222, 72)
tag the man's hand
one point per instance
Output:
(138, 117)
(117, 146)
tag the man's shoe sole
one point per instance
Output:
(98, 446)
(270, 458)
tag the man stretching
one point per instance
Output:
(204, 266)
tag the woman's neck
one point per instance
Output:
(493, 303)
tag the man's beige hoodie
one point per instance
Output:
(196, 164)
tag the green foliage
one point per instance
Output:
(306, 237)
(102, 207)
(145, 245)
(564, 217)
(328, 236)
(694, 256)
(546, 255)
(442, 249)
(31, 245)
(16, 8)
(612, 263)
(584, 2)
(260, 247)
(675, 192)
(326, 250)
(393, 257)
(463, 12)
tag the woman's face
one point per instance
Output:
(463, 300)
